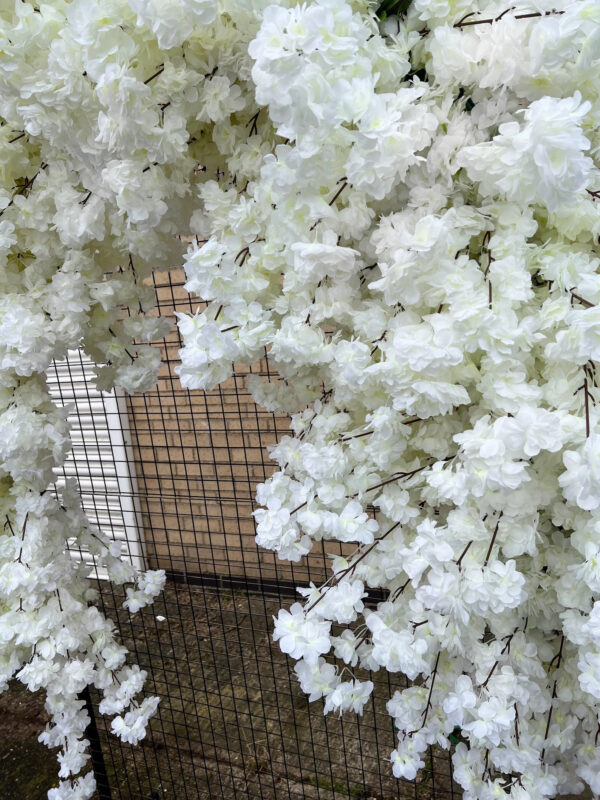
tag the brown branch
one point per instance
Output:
(459, 24)
(506, 11)
(397, 592)
(362, 639)
(490, 20)
(485, 247)
(383, 335)
(558, 658)
(371, 547)
(495, 664)
(357, 436)
(463, 554)
(489, 552)
(486, 767)
(547, 731)
(244, 253)
(252, 122)
(344, 182)
(352, 567)
(399, 476)
(582, 300)
(23, 537)
(26, 187)
(156, 74)
(587, 407)
(428, 706)
(433, 677)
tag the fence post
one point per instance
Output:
(98, 765)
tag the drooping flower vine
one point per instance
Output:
(103, 114)
(419, 253)
(406, 214)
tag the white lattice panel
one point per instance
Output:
(102, 458)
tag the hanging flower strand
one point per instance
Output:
(432, 317)
(104, 108)
(401, 212)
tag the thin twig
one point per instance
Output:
(463, 554)
(582, 300)
(587, 407)
(433, 677)
(253, 123)
(398, 477)
(156, 74)
(558, 658)
(495, 664)
(489, 552)
(339, 191)
(490, 20)
(340, 575)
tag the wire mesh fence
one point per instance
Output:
(176, 483)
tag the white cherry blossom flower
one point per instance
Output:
(301, 636)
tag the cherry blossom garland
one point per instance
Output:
(104, 108)
(419, 254)
(406, 215)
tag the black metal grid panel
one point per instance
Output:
(232, 722)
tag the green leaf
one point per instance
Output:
(455, 735)
(389, 8)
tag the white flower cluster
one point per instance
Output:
(406, 216)
(102, 128)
